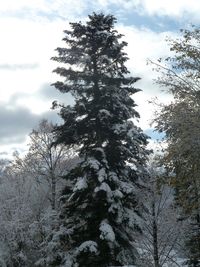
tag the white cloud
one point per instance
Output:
(183, 9)
(26, 43)
(172, 8)
(17, 5)
(31, 42)
(71, 9)
(43, 9)
(145, 44)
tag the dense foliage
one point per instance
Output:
(99, 209)
(179, 120)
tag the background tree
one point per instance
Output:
(179, 75)
(161, 242)
(26, 185)
(46, 162)
(99, 211)
(22, 205)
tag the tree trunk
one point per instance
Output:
(53, 191)
(155, 238)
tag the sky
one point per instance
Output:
(30, 32)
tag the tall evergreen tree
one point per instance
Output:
(100, 208)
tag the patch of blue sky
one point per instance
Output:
(133, 18)
(154, 135)
(155, 23)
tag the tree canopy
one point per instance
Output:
(179, 120)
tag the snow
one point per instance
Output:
(104, 144)
(93, 163)
(113, 176)
(80, 118)
(103, 187)
(68, 262)
(104, 59)
(128, 128)
(103, 32)
(100, 149)
(107, 232)
(120, 128)
(118, 194)
(127, 187)
(88, 246)
(104, 112)
(181, 262)
(101, 175)
(80, 184)
(132, 132)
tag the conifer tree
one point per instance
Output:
(100, 208)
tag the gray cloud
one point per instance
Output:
(45, 93)
(48, 92)
(14, 124)
(17, 122)
(3, 153)
(14, 67)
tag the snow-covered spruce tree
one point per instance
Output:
(99, 211)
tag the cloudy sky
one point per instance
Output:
(30, 31)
